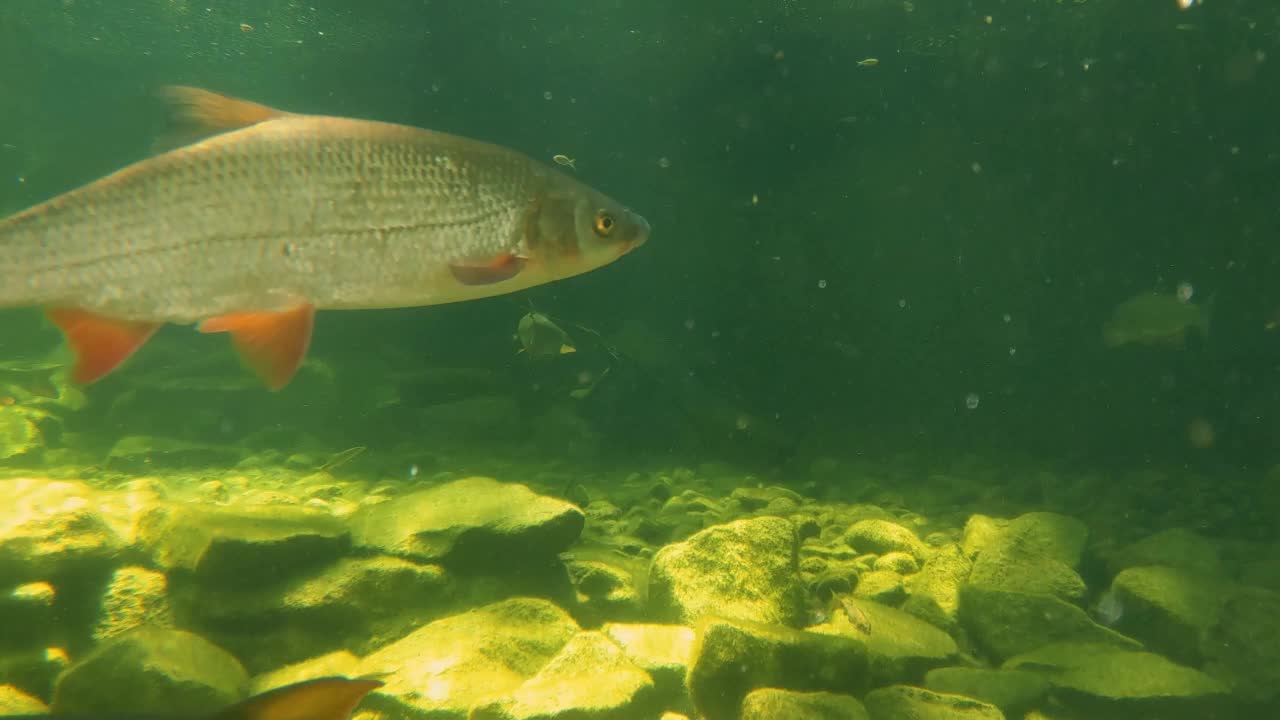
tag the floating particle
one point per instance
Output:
(413, 471)
(902, 303)
(755, 199)
(546, 95)
(664, 162)
(1200, 434)
(1013, 351)
(822, 284)
(869, 62)
(971, 401)
(689, 324)
(1185, 291)
(976, 167)
(1007, 318)
(246, 28)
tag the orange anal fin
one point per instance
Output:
(211, 112)
(504, 267)
(272, 344)
(326, 698)
(99, 343)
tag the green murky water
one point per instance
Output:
(883, 421)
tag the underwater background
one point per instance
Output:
(896, 276)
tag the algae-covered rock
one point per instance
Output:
(135, 597)
(589, 679)
(882, 586)
(1013, 691)
(474, 522)
(473, 658)
(1176, 547)
(747, 569)
(1106, 680)
(904, 702)
(1170, 610)
(339, 662)
(883, 536)
(15, 702)
(1034, 553)
(680, 516)
(731, 658)
(50, 530)
(356, 603)
(1006, 623)
(933, 594)
(242, 547)
(980, 532)
(28, 614)
(663, 651)
(1016, 570)
(900, 646)
(775, 704)
(152, 670)
(603, 590)
(898, 562)
(1243, 646)
(1047, 534)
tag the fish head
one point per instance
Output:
(576, 229)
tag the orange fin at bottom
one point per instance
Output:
(272, 344)
(100, 343)
(326, 698)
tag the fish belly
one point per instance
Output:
(332, 212)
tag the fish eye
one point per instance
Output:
(604, 223)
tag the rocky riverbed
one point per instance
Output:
(691, 592)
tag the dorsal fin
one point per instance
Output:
(199, 113)
(215, 112)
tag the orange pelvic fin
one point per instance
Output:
(503, 267)
(326, 698)
(272, 344)
(99, 343)
(202, 110)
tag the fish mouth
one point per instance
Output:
(641, 234)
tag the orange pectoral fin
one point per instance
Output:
(326, 698)
(503, 267)
(272, 344)
(99, 343)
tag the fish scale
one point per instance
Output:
(293, 211)
(343, 227)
